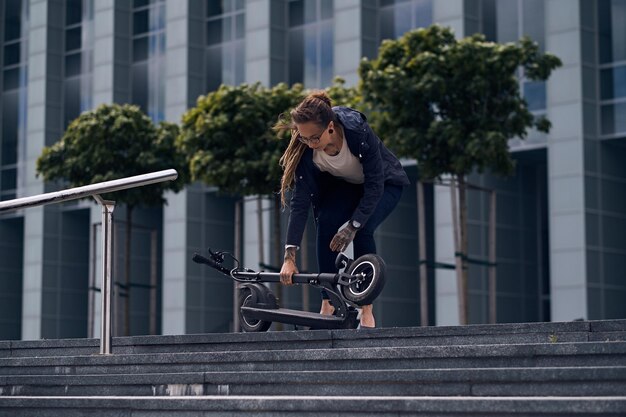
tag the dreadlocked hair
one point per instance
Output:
(317, 108)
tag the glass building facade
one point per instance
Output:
(561, 218)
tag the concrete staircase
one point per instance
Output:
(528, 369)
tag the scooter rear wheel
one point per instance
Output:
(253, 294)
(371, 271)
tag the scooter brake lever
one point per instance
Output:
(218, 257)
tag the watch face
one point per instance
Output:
(356, 224)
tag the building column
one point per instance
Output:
(182, 75)
(566, 170)
(448, 13)
(42, 128)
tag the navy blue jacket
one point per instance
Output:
(380, 166)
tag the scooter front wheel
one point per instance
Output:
(370, 270)
(253, 294)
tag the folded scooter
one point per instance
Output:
(359, 284)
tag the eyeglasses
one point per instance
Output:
(313, 140)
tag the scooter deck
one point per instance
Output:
(301, 318)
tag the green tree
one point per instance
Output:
(112, 142)
(453, 104)
(230, 144)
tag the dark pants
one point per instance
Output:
(337, 205)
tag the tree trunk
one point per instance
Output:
(458, 259)
(259, 219)
(421, 213)
(464, 249)
(129, 225)
(238, 215)
(278, 251)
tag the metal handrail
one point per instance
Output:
(88, 190)
(94, 190)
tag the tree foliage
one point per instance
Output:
(229, 141)
(453, 104)
(111, 142)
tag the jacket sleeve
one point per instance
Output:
(299, 212)
(374, 176)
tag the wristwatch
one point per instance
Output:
(355, 224)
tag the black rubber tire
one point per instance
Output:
(364, 292)
(247, 295)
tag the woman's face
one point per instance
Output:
(312, 135)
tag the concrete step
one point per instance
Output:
(383, 358)
(515, 333)
(538, 382)
(309, 406)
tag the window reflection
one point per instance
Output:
(13, 73)
(225, 44)
(535, 95)
(148, 51)
(311, 42)
(399, 16)
(78, 61)
(612, 53)
(514, 19)
(613, 118)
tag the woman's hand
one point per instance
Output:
(289, 267)
(343, 238)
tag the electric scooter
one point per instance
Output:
(359, 284)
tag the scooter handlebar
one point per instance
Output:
(199, 259)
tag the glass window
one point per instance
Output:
(240, 26)
(214, 67)
(327, 9)
(73, 39)
(614, 118)
(535, 95)
(398, 17)
(140, 85)
(296, 56)
(534, 21)
(9, 179)
(142, 3)
(613, 83)
(72, 99)
(386, 24)
(12, 54)
(612, 31)
(507, 21)
(140, 49)
(225, 53)
(240, 59)
(489, 20)
(310, 11)
(310, 56)
(11, 79)
(296, 13)
(141, 21)
(12, 19)
(72, 64)
(10, 108)
(214, 8)
(326, 53)
(147, 71)
(214, 32)
(73, 12)
(422, 13)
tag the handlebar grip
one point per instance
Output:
(199, 259)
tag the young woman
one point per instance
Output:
(337, 165)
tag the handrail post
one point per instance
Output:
(107, 227)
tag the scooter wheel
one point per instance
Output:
(253, 295)
(371, 271)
